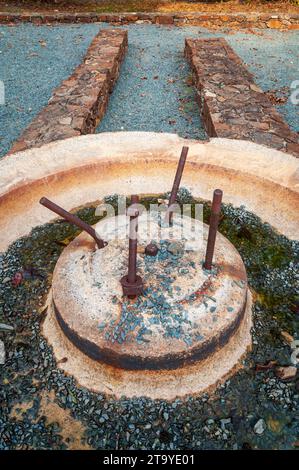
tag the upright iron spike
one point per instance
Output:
(131, 283)
(176, 183)
(214, 222)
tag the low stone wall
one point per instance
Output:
(232, 105)
(79, 103)
(207, 20)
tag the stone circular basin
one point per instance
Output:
(76, 171)
(184, 314)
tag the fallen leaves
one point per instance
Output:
(264, 367)
(274, 425)
(286, 374)
(17, 279)
(274, 98)
(64, 242)
(62, 361)
(287, 337)
(28, 273)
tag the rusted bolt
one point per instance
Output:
(131, 283)
(214, 222)
(151, 249)
(73, 219)
(176, 183)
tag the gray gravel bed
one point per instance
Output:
(33, 61)
(154, 91)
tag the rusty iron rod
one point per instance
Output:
(214, 222)
(132, 284)
(132, 267)
(73, 219)
(176, 182)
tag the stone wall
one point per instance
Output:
(79, 103)
(288, 21)
(231, 104)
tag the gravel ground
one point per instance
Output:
(33, 61)
(154, 91)
(154, 94)
(41, 408)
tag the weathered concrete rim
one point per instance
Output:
(284, 21)
(193, 379)
(165, 362)
(84, 169)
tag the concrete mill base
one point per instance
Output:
(184, 313)
(82, 170)
(188, 329)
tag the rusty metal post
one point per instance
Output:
(132, 266)
(176, 182)
(73, 219)
(131, 283)
(214, 222)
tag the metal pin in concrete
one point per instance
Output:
(176, 183)
(152, 249)
(73, 219)
(131, 283)
(214, 222)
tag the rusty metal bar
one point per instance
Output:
(73, 219)
(214, 222)
(132, 266)
(176, 182)
(132, 284)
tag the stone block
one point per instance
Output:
(165, 19)
(239, 108)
